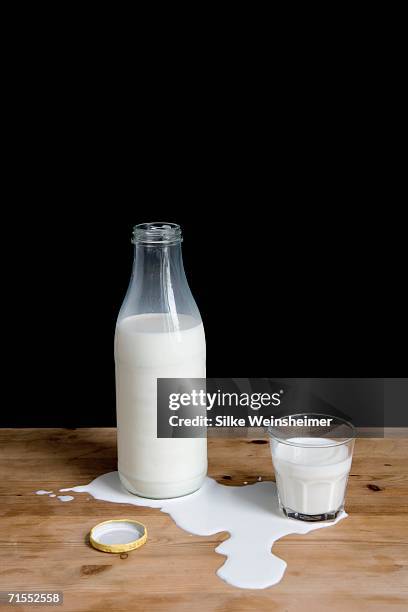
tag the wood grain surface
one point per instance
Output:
(359, 564)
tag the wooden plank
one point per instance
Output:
(359, 564)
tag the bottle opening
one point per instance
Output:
(157, 233)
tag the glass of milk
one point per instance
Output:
(312, 456)
(159, 334)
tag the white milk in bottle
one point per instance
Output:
(159, 334)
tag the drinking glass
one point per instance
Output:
(311, 455)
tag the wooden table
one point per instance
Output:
(359, 564)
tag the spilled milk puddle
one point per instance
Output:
(250, 514)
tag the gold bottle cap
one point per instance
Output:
(118, 535)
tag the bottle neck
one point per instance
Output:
(158, 264)
(158, 284)
(161, 265)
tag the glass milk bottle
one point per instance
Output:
(159, 334)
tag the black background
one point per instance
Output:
(293, 250)
(281, 294)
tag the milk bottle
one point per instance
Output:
(159, 334)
